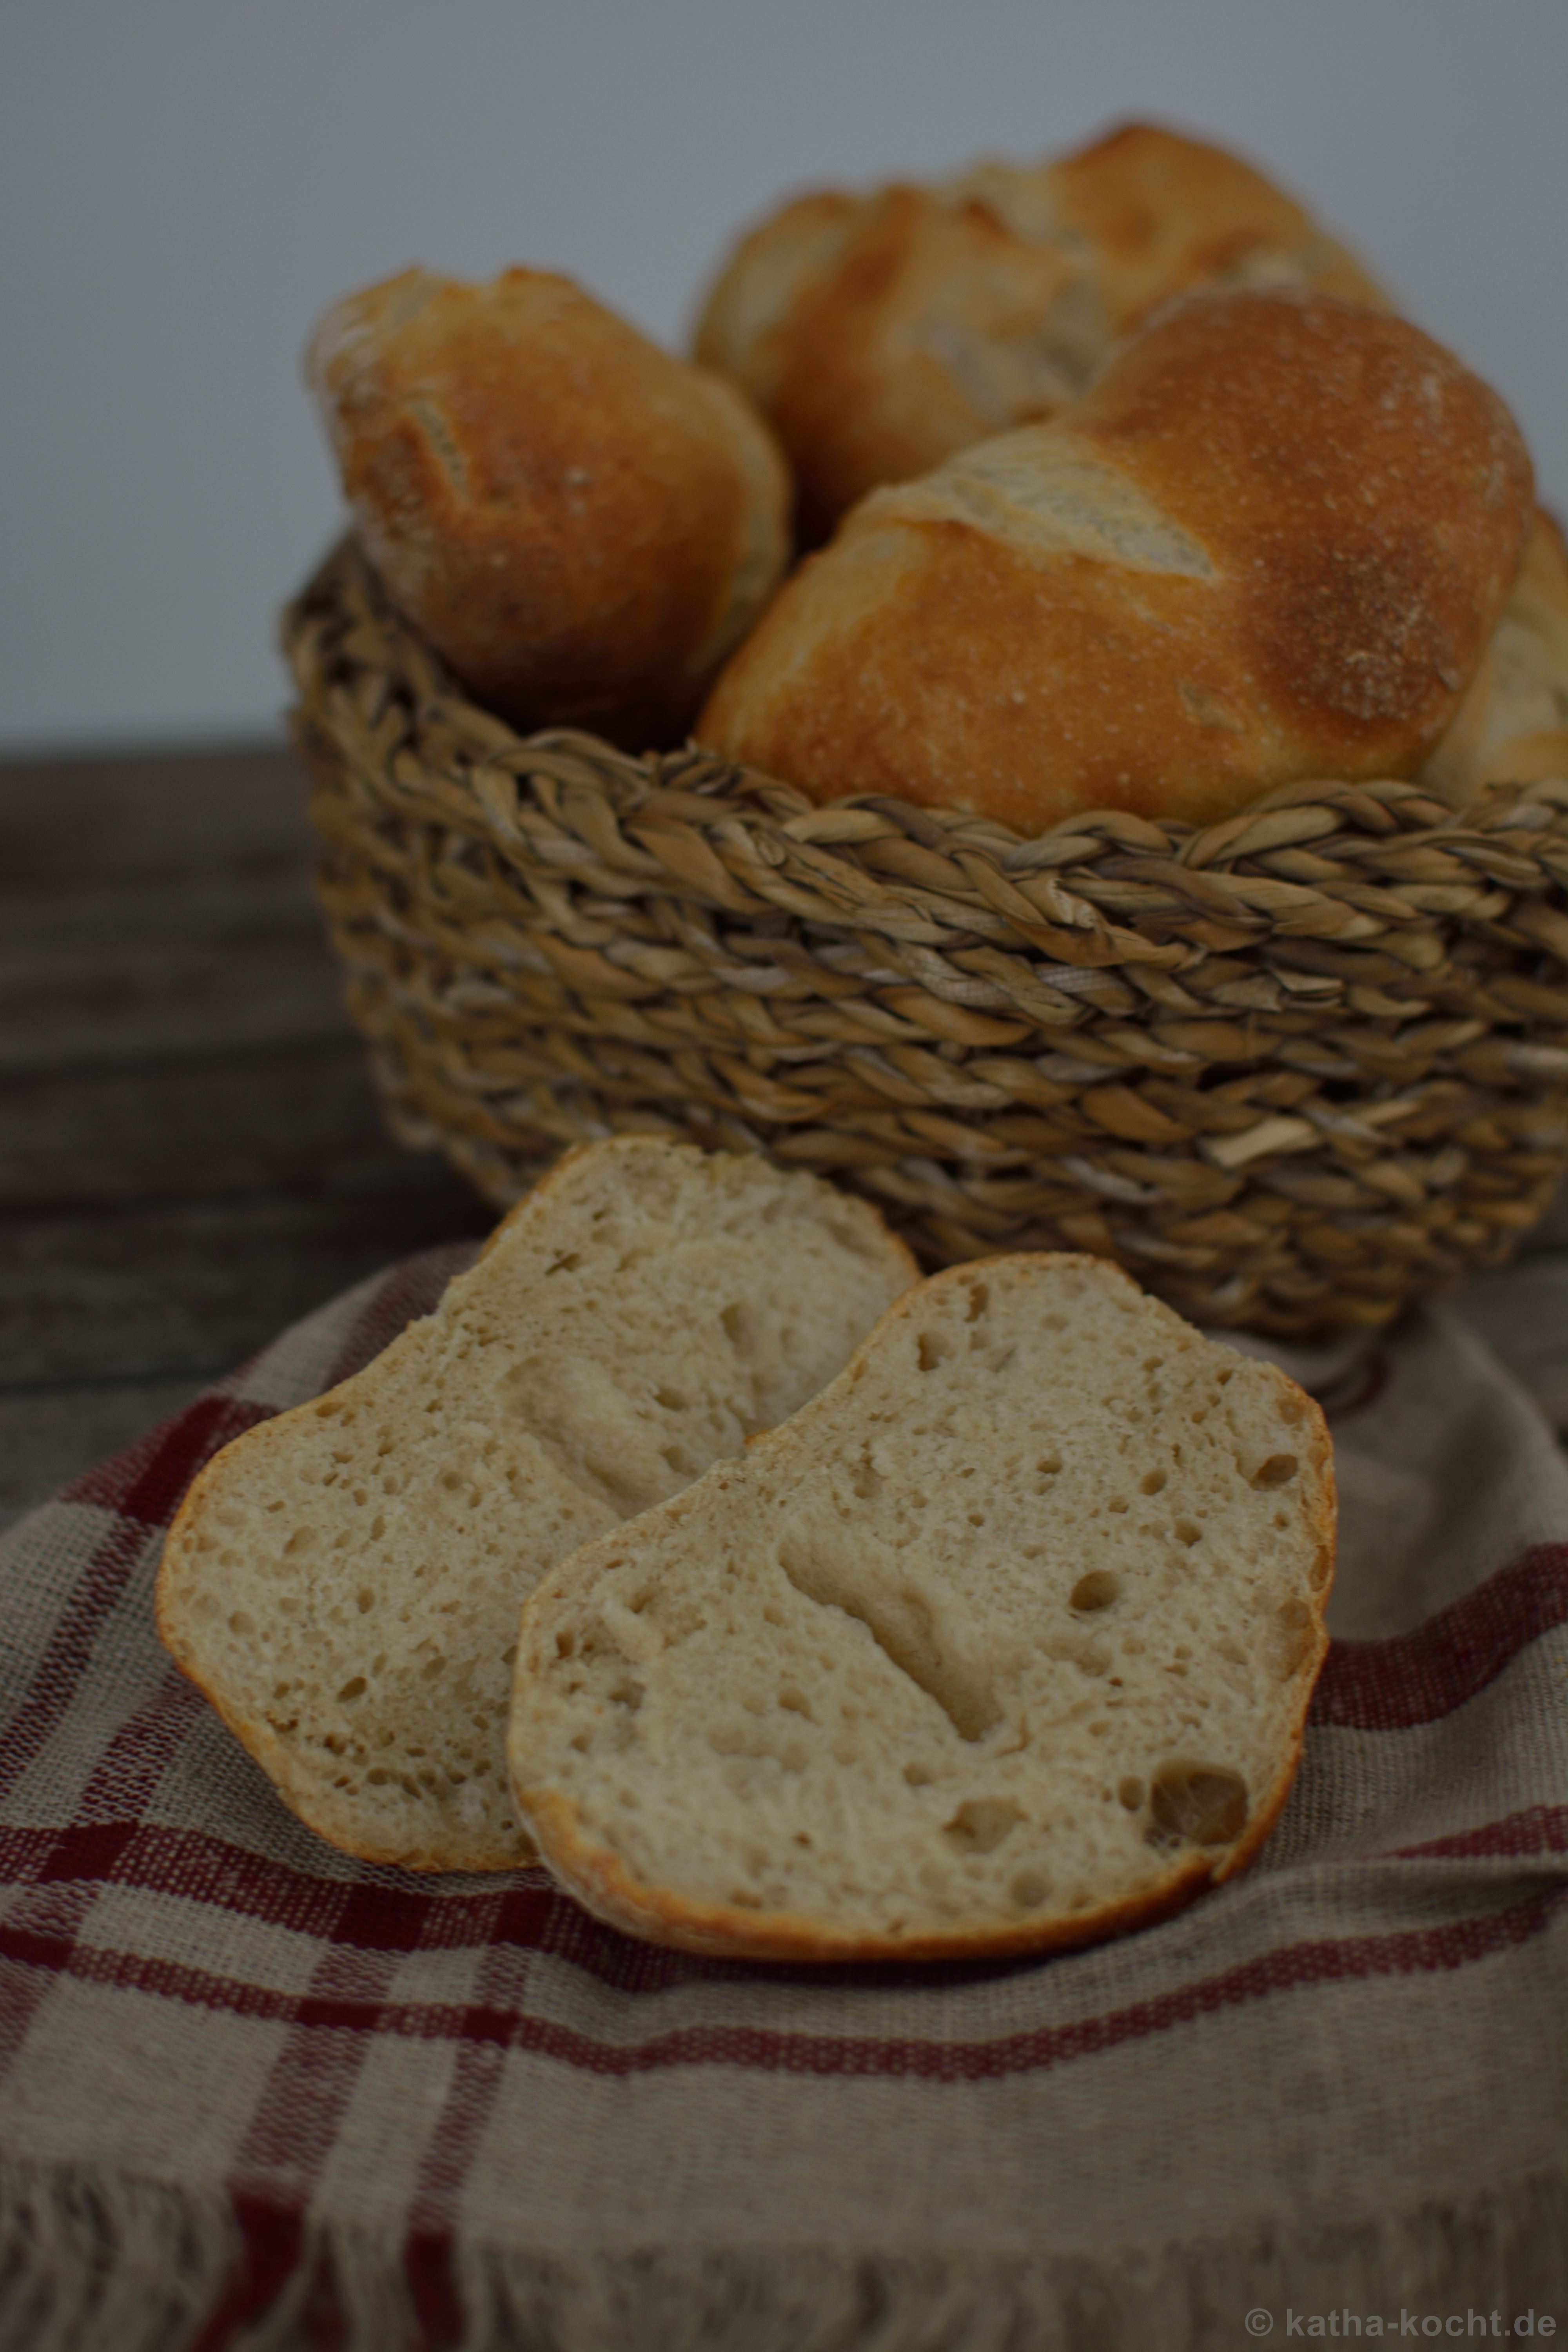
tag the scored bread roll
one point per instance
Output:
(583, 526)
(344, 1582)
(881, 334)
(1512, 725)
(1003, 1643)
(1270, 543)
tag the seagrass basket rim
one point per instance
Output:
(838, 829)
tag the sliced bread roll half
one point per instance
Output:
(344, 1582)
(1004, 1642)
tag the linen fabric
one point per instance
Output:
(254, 2094)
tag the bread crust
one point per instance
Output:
(598, 1876)
(1512, 725)
(1167, 214)
(882, 333)
(583, 526)
(1271, 544)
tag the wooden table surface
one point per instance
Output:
(191, 1154)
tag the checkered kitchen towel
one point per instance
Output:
(255, 2094)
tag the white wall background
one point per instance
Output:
(186, 183)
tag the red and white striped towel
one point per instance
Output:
(254, 2094)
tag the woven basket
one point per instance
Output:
(1291, 1069)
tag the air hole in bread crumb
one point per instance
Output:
(979, 1300)
(1028, 1890)
(1129, 1793)
(1277, 1471)
(1151, 1482)
(919, 1776)
(1187, 1531)
(1203, 1803)
(980, 1823)
(355, 1687)
(797, 1702)
(929, 1350)
(241, 1623)
(1098, 1589)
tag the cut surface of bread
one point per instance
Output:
(1004, 1642)
(344, 1582)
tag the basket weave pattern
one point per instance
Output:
(1291, 1069)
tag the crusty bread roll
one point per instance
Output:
(1270, 543)
(1004, 1642)
(1512, 726)
(583, 526)
(882, 333)
(344, 1582)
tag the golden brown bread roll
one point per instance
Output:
(1271, 544)
(583, 526)
(881, 334)
(1512, 725)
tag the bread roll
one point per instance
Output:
(1004, 1642)
(1270, 543)
(882, 333)
(1512, 726)
(583, 526)
(344, 1582)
